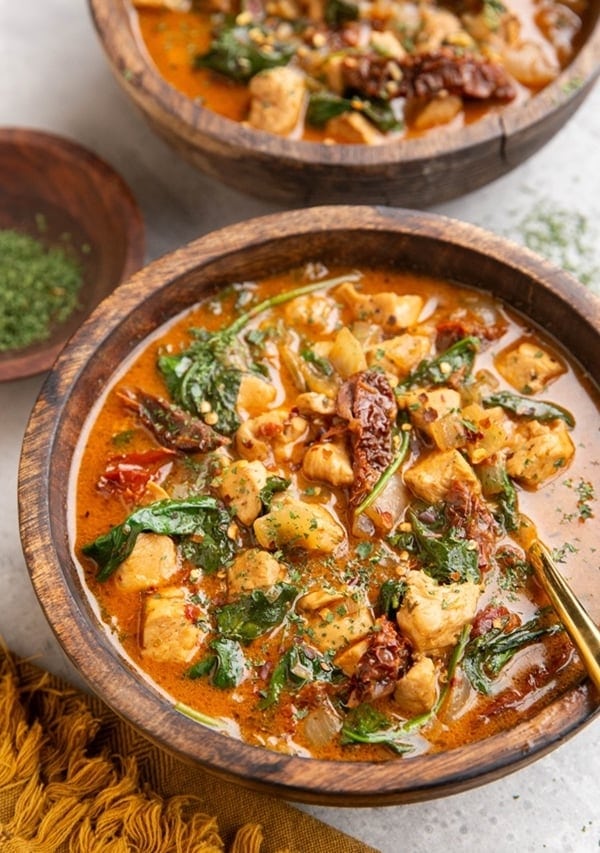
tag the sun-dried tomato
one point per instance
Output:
(387, 659)
(367, 402)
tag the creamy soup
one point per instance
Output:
(359, 72)
(305, 506)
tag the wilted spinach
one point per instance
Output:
(235, 53)
(273, 486)
(226, 667)
(200, 516)
(254, 614)
(486, 655)
(499, 488)
(210, 370)
(390, 597)
(446, 554)
(323, 106)
(525, 407)
(298, 666)
(453, 365)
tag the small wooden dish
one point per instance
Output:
(358, 236)
(57, 191)
(410, 173)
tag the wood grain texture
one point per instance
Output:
(351, 235)
(75, 192)
(411, 173)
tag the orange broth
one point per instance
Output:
(537, 672)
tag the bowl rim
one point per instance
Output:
(123, 44)
(43, 521)
(71, 154)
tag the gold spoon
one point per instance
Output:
(583, 631)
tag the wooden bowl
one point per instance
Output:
(411, 173)
(47, 179)
(353, 235)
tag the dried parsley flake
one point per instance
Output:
(39, 289)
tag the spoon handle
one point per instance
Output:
(580, 627)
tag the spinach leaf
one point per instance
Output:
(226, 667)
(453, 365)
(239, 54)
(447, 556)
(364, 724)
(499, 488)
(254, 614)
(211, 368)
(273, 486)
(323, 106)
(199, 516)
(322, 365)
(339, 11)
(298, 666)
(485, 656)
(524, 407)
(390, 597)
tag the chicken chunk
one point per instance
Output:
(346, 354)
(316, 311)
(352, 128)
(253, 569)
(528, 367)
(276, 435)
(347, 659)
(394, 312)
(432, 615)
(312, 403)
(399, 355)
(439, 110)
(432, 477)
(240, 487)
(426, 407)
(343, 617)
(254, 396)
(540, 452)
(170, 631)
(328, 461)
(277, 98)
(416, 693)
(487, 431)
(300, 525)
(152, 562)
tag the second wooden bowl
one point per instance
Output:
(411, 173)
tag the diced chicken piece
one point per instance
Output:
(530, 64)
(253, 569)
(426, 407)
(432, 615)
(276, 435)
(346, 354)
(169, 630)
(328, 461)
(394, 312)
(416, 693)
(439, 110)
(300, 525)
(348, 658)
(312, 403)
(277, 98)
(432, 477)
(400, 355)
(317, 311)
(560, 26)
(437, 26)
(152, 562)
(352, 128)
(344, 618)
(255, 395)
(240, 487)
(487, 431)
(528, 367)
(541, 451)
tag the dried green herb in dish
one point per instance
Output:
(39, 289)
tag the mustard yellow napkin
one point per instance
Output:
(74, 778)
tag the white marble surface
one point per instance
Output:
(53, 76)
